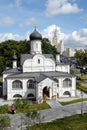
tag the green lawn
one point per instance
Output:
(73, 101)
(81, 87)
(76, 122)
(83, 77)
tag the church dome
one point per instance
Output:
(14, 57)
(35, 35)
(57, 52)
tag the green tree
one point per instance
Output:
(81, 56)
(2, 64)
(47, 48)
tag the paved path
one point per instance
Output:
(50, 114)
(61, 112)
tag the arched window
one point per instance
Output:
(30, 96)
(17, 84)
(67, 82)
(30, 84)
(17, 95)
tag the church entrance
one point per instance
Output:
(45, 93)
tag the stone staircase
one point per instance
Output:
(53, 103)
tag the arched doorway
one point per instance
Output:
(46, 93)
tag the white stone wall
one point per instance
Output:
(71, 90)
(15, 64)
(36, 47)
(44, 64)
(23, 92)
(63, 68)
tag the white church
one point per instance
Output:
(41, 77)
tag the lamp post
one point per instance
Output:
(81, 103)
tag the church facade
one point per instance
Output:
(41, 77)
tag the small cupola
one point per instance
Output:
(14, 59)
(57, 56)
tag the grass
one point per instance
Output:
(83, 77)
(76, 122)
(73, 101)
(81, 87)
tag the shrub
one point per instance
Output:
(4, 109)
(4, 121)
(21, 104)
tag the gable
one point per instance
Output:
(47, 81)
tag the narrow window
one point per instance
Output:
(38, 61)
(36, 45)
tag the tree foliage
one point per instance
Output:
(81, 56)
(2, 64)
(47, 48)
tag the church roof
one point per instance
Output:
(40, 78)
(49, 56)
(11, 70)
(25, 57)
(35, 35)
(40, 75)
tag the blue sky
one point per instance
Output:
(18, 18)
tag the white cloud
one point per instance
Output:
(55, 7)
(49, 31)
(10, 36)
(28, 22)
(7, 21)
(77, 39)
